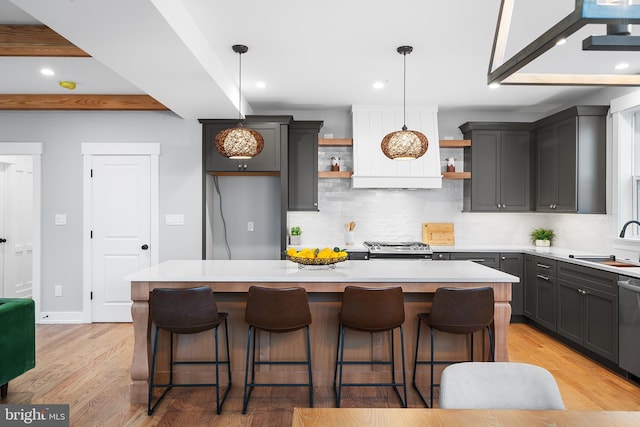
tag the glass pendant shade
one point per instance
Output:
(239, 143)
(404, 144)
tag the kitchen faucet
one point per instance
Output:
(624, 227)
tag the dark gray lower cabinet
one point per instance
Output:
(490, 259)
(588, 308)
(507, 262)
(540, 291)
(512, 263)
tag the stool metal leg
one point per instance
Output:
(341, 346)
(245, 397)
(309, 368)
(431, 364)
(404, 371)
(220, 403)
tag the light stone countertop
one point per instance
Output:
(552, 252)
(387, 271)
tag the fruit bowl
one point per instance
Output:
(316, 258)
(316, 261)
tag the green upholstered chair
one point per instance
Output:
(17, 339)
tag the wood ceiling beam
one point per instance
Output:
(80, 102)
(35, 40)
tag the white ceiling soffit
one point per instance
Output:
(311, 55)
(173, 65)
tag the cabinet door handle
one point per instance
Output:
(540, 276)
(475, 259)
(543, 266)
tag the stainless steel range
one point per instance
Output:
(402, 250)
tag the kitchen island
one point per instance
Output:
(230, 281)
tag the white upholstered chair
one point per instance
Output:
(498, 385)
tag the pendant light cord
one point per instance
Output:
(239, 86)
(404, 93)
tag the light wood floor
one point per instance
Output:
(87, 367)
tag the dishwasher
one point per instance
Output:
(629, 324)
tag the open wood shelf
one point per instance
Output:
(345, 142)
(456, 175)
(337, 174)
(455, 143)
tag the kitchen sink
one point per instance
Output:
(609, 260)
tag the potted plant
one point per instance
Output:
(294, 237)
(542, 236)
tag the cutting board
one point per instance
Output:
(438, 233)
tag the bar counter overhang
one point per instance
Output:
(230, 281)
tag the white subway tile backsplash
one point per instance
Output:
(391, 214)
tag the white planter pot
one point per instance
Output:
(294, 240)
(543, 242)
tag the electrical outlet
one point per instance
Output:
(250, 226)
(58, 290)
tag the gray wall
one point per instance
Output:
(62, 134)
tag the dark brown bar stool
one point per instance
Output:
(275, 310)
(371, 310)
(187, 311)
(455, 311)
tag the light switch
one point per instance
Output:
(61, 219)
(174, 219)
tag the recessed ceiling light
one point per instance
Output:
(621, 66)
(494, 85)
(561, 42)
(378, 85)
(47, 72)
(261, 85)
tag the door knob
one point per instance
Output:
(3, 240)
(144, 247)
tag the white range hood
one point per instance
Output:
(372, 169)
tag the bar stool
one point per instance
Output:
(279, 311)
(455, 311)
(371, 310)
(187, 311)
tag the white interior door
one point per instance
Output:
(120, 231)
(3, 234)
(18, 226)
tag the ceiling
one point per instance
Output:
(310, 55)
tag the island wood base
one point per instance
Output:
(325, 300)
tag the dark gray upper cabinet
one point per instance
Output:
(500, 162)
(571, 161)
(274, 130)
(303, 165)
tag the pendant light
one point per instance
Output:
(404, 144)
(239, 142)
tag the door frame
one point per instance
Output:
(89, 149)
(33, 149)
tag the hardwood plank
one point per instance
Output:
(35, 40)
(87, 366)
(80, 102)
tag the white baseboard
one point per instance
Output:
(61, 317)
